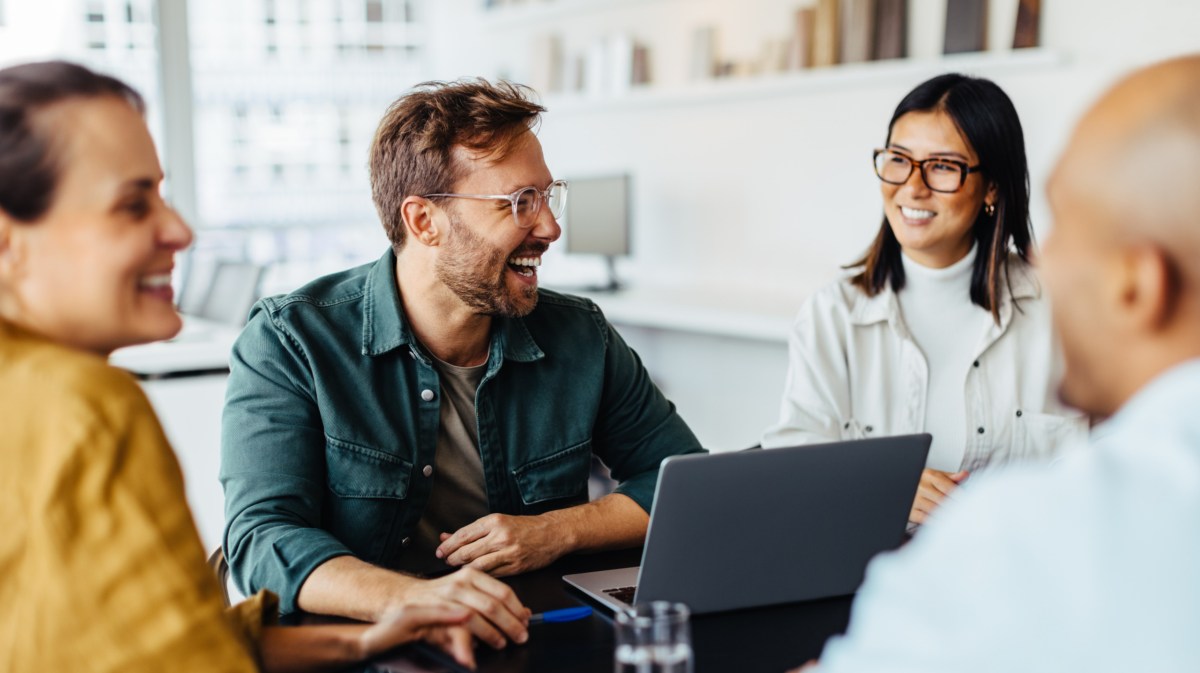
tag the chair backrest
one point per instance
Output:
(233, 290)
(220, 568)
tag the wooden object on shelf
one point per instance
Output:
(800, 45)
(858, 30)
(1028, 20)
(966, 26)
(825, 36)
(891, 29)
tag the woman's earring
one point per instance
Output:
(990, 209)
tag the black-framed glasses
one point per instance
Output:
(939, 173)
(526, 202)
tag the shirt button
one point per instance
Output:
(976, 363)
(1018, 413)
(980, 431)
(427, 395)
(869, 428)
(428, 471)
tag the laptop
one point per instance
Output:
(756, 528)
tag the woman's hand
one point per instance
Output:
(439, 624)
(300, 649)
(935, 487)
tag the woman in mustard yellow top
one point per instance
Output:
(101, 568)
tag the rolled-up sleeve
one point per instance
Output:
(637, 427)
(273, 464)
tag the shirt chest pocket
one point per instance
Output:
(1042, 436)
(368, 489)
(545, 483)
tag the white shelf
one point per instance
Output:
(757, 316)
(539, 11)
(817, 80)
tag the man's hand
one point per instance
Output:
(935, 487)
(497, 616)
(500, 544)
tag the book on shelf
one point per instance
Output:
(546, 59)
(703, 63)
(641, 64)
(891, 29)
(966, 26)
(825, 34)
(1028, 23)
(858, 19)
(800, 45)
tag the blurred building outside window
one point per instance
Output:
(286, 96)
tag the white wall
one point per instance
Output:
(776, 190)
(765, 186)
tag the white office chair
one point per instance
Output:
(233, 289)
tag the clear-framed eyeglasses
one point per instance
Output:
(939, 173)
(526, 202)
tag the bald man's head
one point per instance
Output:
(1123, 261)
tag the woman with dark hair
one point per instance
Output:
(101, 568)
(941, 327)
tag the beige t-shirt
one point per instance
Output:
(459, 494)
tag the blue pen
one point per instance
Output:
(559, 616)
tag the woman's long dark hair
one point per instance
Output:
(988, 120)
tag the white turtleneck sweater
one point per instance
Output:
(948, 328)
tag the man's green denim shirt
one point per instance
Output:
(332, 411)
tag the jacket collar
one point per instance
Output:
(385, 327)
(885, 307)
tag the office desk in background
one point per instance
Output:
(185, 380)
(770, 640)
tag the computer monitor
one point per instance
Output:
(597, 220)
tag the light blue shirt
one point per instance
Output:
(1089, 564)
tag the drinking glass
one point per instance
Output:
(654, 638)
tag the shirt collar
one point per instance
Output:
(386, 327)
(1166, 400)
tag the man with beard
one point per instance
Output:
(1093, 563)
(435, 410)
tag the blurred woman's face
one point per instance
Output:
(933, 228)
(94, 272)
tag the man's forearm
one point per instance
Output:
(348, 587)
(612, 522)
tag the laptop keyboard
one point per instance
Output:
(623, 594)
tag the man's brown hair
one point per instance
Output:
(412, 152)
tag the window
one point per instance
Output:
(280, 146)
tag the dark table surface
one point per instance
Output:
(770, 639)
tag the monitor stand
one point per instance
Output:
(613, 284)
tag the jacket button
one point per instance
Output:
(428, 471)
(427, 395)
(406, 541)
(980, 431)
